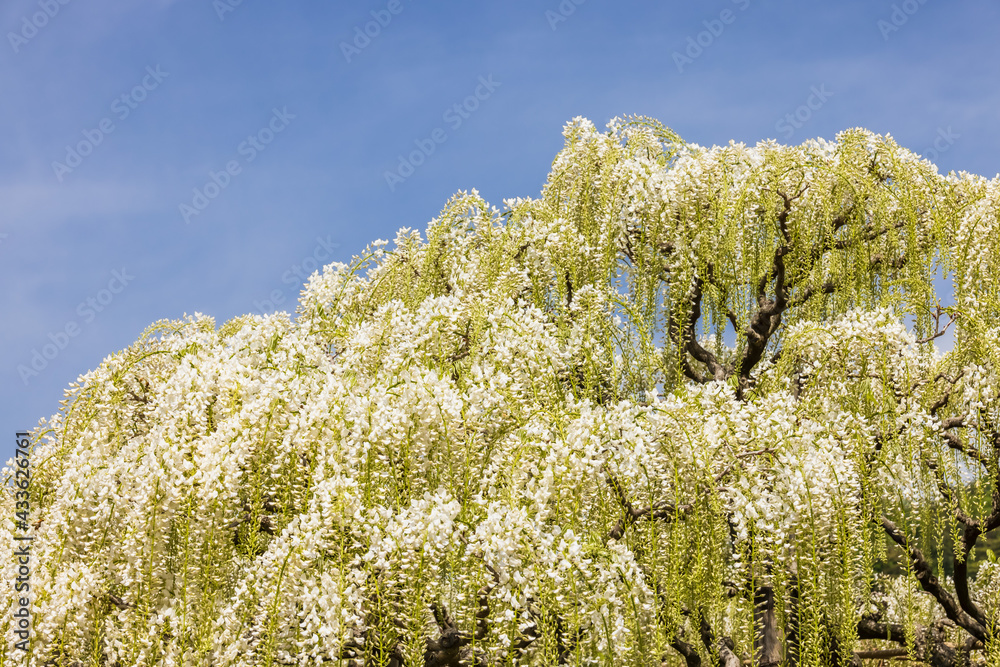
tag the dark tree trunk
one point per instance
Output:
(792, 628)
(767, 643)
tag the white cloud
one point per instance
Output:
(37, 204)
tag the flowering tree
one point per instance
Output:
(685, 408)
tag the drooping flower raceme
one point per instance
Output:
(530, 436)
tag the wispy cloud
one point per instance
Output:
(34, 204)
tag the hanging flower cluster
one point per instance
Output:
(684, 408)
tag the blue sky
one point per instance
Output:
(286, 117)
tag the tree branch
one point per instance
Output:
(931, 641)
(722, 646)
(665, 510)
(685, 333)
(969, 537)
(930, 583)
(946, 397)
(938, 331)
(867, 236)
(956, 443)
(687, 651)
(949, 496)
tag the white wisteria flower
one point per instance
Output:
(686, 407)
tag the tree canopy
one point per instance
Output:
(684, 408)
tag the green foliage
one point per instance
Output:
(531, 437)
